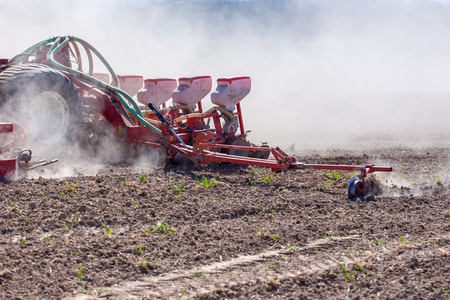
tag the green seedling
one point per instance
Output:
(359, 267)
(351, 174)
(124, 182)
(252, 176)
(382, 153)
(72, 188)
(82, 290)
(198, 274)
(143, 177)
(66, 226)
(356, 252)
(260, 232)
(98, 293)
(404, 241)
(268, 178)
(183, 292)
(75, 251)
(274, 237)
(48, 240)
(293, 248)
(107, 231)
(217, 200)
(324, 235)
(437, 179)
(142, 249)
(79, 272)
(177, 187)
(26, 219)
(13, 207)
(161, 226)
(409, 179)
(23, 240)
(321, 187)
(142, 263)
(43, 195)
(335, 175)
(29, 222)
(347, 277)
(446, 291)
(206, 182)
(272, 211)
(273, 265)
(109, 180)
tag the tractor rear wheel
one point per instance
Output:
(43, 101)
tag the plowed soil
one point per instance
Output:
(123, 232)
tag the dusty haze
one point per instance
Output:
(325, 74)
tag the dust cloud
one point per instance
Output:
(325, 74)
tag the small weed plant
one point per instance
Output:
(108, 231)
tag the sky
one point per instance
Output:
(325, 74)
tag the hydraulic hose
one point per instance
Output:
(120, 94)
(195, 115)
(30, 50)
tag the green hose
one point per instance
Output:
(30, 50)
(120, 94)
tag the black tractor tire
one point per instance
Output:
(44, 102)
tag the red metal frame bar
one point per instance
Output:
(282, 161)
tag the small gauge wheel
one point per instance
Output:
(354, 188)
(236, 141)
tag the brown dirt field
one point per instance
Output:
(295, 235)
